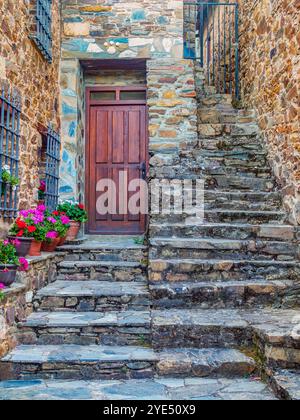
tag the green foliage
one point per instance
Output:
(75, 212)
(8, 254)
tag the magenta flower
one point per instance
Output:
(51, 219)
(52, 234)
(41, 208)
(65, 220)
(6, 242)
(2, 286)
(24, 213)
(23, 264)
(16, 242)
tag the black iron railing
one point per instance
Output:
(42, 35)
(52, 169)
(10, 113)
(211, 36)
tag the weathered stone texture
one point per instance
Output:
(123, 29)
(23, 68)
(270, 79)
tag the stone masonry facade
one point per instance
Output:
(270, 81)
(24, 70)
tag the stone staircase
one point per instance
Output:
(202, 312)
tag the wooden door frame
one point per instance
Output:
(89, 103)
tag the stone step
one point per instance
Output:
(191, 270)
(270, 331)
(141, 389)
(223, 216)
(232, 168)
(229, 144)
(232, 130)
(252, 201)
(98, 296)
(85, 328)
(97, 252)
(121, 362)
(197, 248)
(276, 232)
(103, 270)
(244, 183)
(212, 100)
(219, 295)
(225, 116)
(286, 384)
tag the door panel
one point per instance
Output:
(117, 149)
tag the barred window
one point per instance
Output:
(42, 28)
(50, 161)
(10, 112)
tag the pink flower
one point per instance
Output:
(24, 213)
(16, 242)
(65, 220)
(52, 234)
(6, 242)
(41, 208)
(24, 264)
(51, 219)
(2, 286)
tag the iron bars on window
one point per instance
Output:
(10, 114)
(52, 169)
(211, 36)
(43, 27)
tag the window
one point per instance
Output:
(10, 112)
(49, 167)
(42, 34)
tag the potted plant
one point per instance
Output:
(8, 179)
(10, 263)
(57, 225)
(30, 231)
(77, 215)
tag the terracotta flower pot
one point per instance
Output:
(23, 248)
(8, 277)
(50, 246)
(35, 249)
(62, 241)
(73, 231)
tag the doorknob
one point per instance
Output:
(144, 170)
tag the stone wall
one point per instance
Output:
(270, 82)
(23, 68)
(17, 304)
(123, 29)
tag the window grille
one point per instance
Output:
(43, 27)
(52, 169)
(10, 113)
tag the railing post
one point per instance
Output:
(237, 55)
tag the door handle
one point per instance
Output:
(144, 171)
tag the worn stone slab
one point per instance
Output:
(86, 328)
(286, 384)
(150, 389)
(219, 295)
(90, 296)
(172, 270)
(273, 331)
(71, 361)
(235, 231)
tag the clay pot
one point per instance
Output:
(73, 231)
(35, 249)
(8, 277)
(50, 246)
(25, 244)
(62, 241)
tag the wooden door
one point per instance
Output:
(117, 150)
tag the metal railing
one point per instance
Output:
(10, 115)
(43, 28)
(52, 169)
(211, 36)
